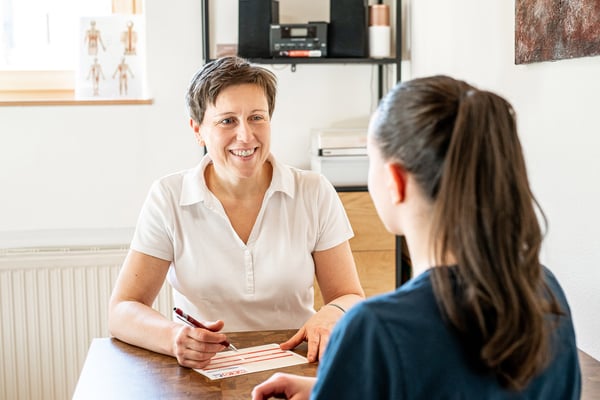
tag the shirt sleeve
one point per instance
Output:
(358, 363)
(334, 226)
(153, 232)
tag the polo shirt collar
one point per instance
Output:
(194, 189)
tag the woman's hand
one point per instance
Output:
(194, 347)
(316, 332)
(293, 387)
(338, 281)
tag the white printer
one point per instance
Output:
(341, 155)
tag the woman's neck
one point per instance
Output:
(239, 188)
(421, 246)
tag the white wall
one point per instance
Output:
(88, 167)
(557, 107)
(80, 173)
(84, 169)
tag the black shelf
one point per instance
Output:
(351, 188)
(322, 60)
(293, 61)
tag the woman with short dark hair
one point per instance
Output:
(240, 237)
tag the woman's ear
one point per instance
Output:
(396, 182)
(196, 128)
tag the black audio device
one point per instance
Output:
(299, 40)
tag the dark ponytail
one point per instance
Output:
(461, 144)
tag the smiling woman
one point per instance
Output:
(38, 42)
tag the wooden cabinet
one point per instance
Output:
(373, 247)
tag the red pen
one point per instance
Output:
(188, 319)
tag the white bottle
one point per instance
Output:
(379, 31)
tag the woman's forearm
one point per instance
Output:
(142, 326)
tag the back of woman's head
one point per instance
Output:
(219, 74)
(462, 147)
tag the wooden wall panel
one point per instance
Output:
(373, 247)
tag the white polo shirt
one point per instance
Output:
(264, 284)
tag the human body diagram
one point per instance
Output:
(123, 71)
(95, 73)
(92, 39)
(129, 39)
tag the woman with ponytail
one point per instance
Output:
(481, 318)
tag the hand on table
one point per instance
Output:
(194, 347)
(316, 332)
(293, 387)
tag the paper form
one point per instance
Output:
(251, 359)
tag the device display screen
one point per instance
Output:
(298, 32)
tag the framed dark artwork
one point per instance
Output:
(547, 30)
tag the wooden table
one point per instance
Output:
(116, 370)
(590, 377)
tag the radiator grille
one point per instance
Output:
(53, 303)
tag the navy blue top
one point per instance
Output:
(396, 346)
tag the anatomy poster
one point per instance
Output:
(112, 58)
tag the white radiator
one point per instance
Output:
(53, 302)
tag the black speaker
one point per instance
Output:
(255, 19)
(348, 28)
